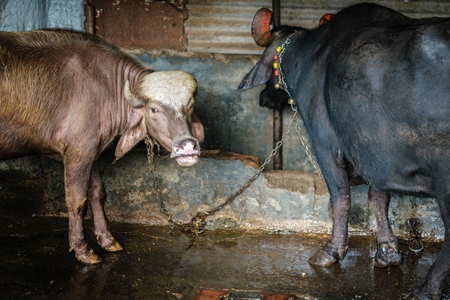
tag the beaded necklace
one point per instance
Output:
(277, 65)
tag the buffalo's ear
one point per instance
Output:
(260, 74)
(197, 129)
(130, 97)
(135, 133)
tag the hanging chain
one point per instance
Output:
(190, 228)
(415, 241)
(307, 150)
(202, 215)
(197, 224)
(283, 84)
(280, 58)
(149, 143)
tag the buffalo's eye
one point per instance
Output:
(154, 109)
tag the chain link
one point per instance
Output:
(197, 224)
(415, 240)
(281, 76)
(305, 145)
(194, 228)
(291, 102)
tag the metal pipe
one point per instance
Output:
(89, 19)
(276, 13)
(277, 113)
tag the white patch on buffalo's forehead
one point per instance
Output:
(171, 88)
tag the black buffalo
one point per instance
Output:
(373, 89)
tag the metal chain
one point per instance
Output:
(291, 102)
(197, 224)
(149, 143)
(281, 76)
(190, 228)
(415, 241)
(307, 150)
(201, 215)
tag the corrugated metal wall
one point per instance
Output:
(224, 26)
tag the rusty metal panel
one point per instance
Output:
(140, 24)
(224, 26)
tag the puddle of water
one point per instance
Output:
(155, 265)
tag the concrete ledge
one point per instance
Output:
(285, 201)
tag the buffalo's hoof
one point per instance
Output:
(87, 256)
(108, 243)
(420, 295)
(387, 256)
(113, 247)
(326, 256)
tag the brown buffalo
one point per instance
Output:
(68, 95)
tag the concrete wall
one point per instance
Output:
(17, 15)
(276, 201)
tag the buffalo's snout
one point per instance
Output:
(273, 98)
(186, 151)
(186, 147)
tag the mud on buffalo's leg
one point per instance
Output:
(387, 244)
(437, 275)
(97, 197)
(76, 178)
(338, 209)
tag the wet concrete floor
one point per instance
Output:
(156, 264)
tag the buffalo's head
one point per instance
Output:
(263, 72)
(163, 107)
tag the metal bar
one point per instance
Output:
(276, 13)
(89, 21)
(277, 113)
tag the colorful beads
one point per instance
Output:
(276, 66)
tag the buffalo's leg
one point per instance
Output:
(431, 288)
(76, 179)
(97, 197)
(338, 209)
(387, 245)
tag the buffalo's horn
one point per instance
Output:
(326, 18)
(261, 27)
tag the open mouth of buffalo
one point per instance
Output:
(187, 160)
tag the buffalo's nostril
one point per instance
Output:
(186, 147)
